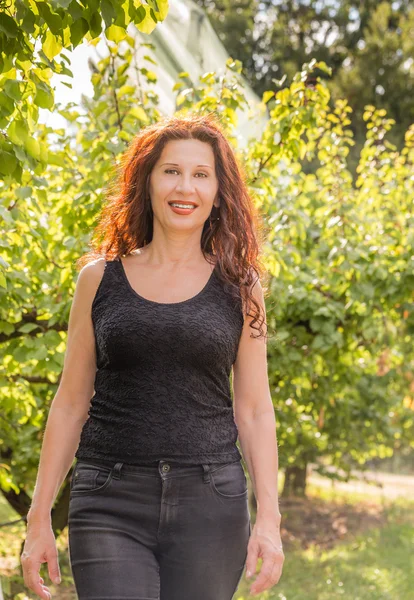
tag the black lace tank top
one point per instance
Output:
(162, 385)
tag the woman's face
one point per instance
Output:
(184, 173)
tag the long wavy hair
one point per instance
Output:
(234, 239)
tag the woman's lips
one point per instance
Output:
(182, 211)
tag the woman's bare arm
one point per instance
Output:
(69, 409)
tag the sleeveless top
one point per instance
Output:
(162, 389)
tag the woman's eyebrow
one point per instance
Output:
(176, 165)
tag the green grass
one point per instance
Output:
(375, 565)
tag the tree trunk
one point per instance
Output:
(295, 481)
(59, 514)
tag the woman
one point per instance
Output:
(158, 496)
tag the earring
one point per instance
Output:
(216, 218)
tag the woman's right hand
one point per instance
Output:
(40, 547)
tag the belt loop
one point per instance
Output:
(206, 474)
(116, 470)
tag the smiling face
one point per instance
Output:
(184, 174)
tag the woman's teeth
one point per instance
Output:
(182, 205)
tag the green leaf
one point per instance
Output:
(126, 90)
(24, 191)
(53, 20)
(282, 335)
(8, 26)
(108, 12)
(148, 21)
(8, 162)
(115, 34)
(139, 113)
(12, 89)
(6, 103)
(150, 75)
(64, 3)
(160, 8)
(40, 353)
(28, 327)
(322, 66)
(44, 95)
(150, 59)
(17, 132)
(267, 95)
(51, 46)
(78, 30)
(33, 148)
(95, 24)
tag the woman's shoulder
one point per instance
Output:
(88, 281)
(93, 268)
(91, 274)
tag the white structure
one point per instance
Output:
(186, 41)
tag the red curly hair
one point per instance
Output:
(126, 220)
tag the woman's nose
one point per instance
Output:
(185, 184)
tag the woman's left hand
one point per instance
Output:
(265, 542)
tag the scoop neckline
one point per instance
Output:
(200, 293)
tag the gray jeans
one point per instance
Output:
(162, 532)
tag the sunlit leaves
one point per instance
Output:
(32, 37)
(337, 297)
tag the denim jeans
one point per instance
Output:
(161, 532)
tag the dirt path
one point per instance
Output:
(315, 521)
(375, 483)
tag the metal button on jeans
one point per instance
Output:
(166, 467)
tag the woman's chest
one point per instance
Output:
(132, 333)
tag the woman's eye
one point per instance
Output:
(175, 170)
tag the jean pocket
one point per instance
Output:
(229, 480)
(89, 479)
